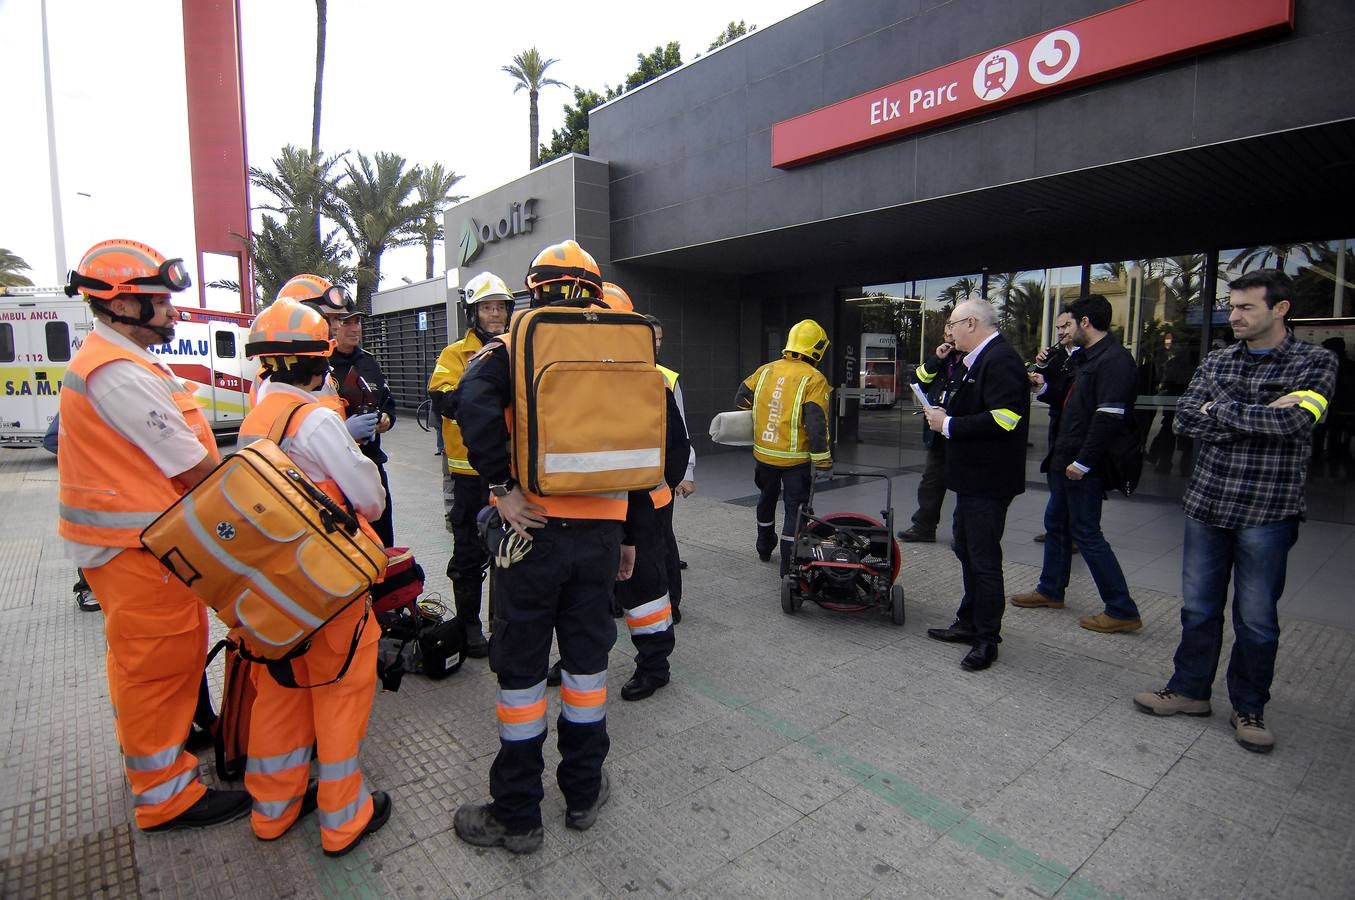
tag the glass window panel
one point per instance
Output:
(6, 342)
(58, 341)
(225, 345)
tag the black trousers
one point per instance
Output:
(771, 481)
(978, 526)
(466, 568)
(563, 586)
(671, 557)
(385, 526)
(931, 490)
(647, 603)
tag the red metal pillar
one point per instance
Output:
(216, 136)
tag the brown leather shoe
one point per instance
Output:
(1035, 600)
(1108, 625)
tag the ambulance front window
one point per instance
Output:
(6, 342)
(58, 342)
(225, 345)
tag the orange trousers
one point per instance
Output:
(287, 721)
(157, 644)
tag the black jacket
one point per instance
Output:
(1058, 375)
(369, 368)
(983, 457)
(1100, 407)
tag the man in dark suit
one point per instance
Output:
(985, 423)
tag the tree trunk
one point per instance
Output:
(369, 271)
(428, 260)
(533, 127)
(321, 23)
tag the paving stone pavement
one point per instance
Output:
(815, 755)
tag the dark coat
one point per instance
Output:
(983, 457)
(1099, 408)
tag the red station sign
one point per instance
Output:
(1134, 36)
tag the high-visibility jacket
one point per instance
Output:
(109, 489)
(259, 422)
(327, 396)
(780, 390)
(446, 376)
(663, 494)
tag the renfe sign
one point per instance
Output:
(1133, 36)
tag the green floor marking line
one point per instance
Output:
(351, 878)
(951, 821)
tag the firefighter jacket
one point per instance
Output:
(989, 417)
(442, 388)
(1098, 406)
(109, 488)
(369, 369)
(789, 398)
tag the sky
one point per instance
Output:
(417, 77)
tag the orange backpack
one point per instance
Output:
(270, 552)
(589, 412)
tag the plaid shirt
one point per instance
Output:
(1251, 462)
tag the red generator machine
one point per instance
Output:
(845, 561)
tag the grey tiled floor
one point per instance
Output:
(819, 755)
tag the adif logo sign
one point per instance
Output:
(474, 236)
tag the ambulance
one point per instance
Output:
(41, 328)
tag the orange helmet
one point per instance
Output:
(119, 266)
(289, 328)
(569, 267)
(616, 297)
(319, 294)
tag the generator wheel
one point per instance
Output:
(896, 603)
(788, 590)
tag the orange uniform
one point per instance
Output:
(156, 629)
(286, 722)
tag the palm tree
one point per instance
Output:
(1280, 253)
(529, 71)
(377, 212)
(1023, 310)
(303, 183)
(434, 186)
(11, 268)
(321, 26)
(281, 249)
(963, 289)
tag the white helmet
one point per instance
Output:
(485, 286)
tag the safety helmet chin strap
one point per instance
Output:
(143, 320)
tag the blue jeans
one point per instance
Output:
(1255, 558)
(1073, 514)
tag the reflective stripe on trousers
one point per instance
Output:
(583, 698)
(650, 618)
(274, 765)
(522, 712)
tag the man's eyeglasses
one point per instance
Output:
(954, 322)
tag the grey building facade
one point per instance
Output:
(1153, 185)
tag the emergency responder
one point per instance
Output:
(647, 596)
(488, 304)
(330, 709)
(133, 440)
(789, 399)
(684, 488)
(330, 299)
(364, 390)
(563, 584)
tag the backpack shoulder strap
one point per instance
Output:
(282, 423)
